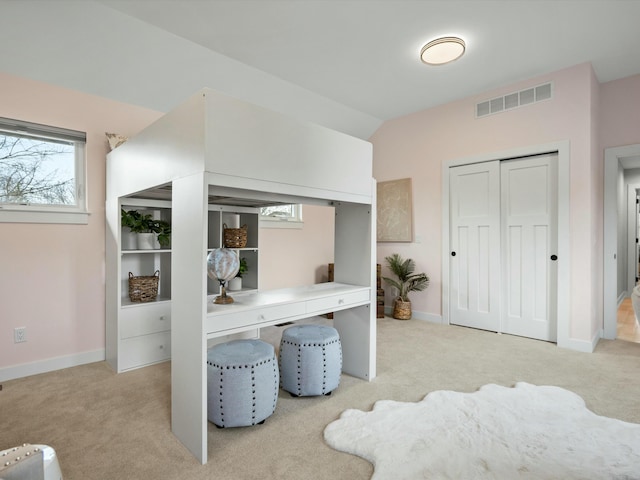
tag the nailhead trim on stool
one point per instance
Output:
(310, 360)
(242, 383)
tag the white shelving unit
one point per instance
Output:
(218, 217)
(141, 331)
(215, 156)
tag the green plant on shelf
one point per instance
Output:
(139, 223)
(129, 218)
(145, 223)
(243, 267)
(163, 229)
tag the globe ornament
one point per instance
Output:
(223, 264)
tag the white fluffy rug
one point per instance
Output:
(526, 432)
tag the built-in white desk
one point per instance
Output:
(272, 307)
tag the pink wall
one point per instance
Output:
(52, 276)
(597, 210)
(296, 257)
(620, 112)
(418, 145)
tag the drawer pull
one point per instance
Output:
(261, 317)
(340, 301)
(162, 317)
(161, 347)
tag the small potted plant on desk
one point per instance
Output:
(236, 283)
(407, 281)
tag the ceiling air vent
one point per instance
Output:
(514, 100)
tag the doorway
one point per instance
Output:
(627, 327)
(631, 267)
(560, 295)
(615, 284)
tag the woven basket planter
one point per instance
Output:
(401, 310)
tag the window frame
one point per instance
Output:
(42, 213)
(294, 221)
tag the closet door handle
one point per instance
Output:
(453, 254)
(554, 257)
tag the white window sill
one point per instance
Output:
(268, 223)
(40, 216)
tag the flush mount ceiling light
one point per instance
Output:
(442, 50)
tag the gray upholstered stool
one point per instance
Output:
(242, 383)
(310, 360)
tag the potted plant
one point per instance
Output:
(236, 282)
(142, 225)
(128, 217)
(407, 281)
(129, 220)
(149, 233)
(162, 229)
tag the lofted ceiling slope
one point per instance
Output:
(349, 64)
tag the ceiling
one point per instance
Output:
(358, 55)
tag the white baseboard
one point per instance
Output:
(621, 298)
(429, 317)
(51, 364)
(584, 346)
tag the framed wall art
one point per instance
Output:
(395, 211)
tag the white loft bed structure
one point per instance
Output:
(213, 150)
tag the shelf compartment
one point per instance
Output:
(142, 264)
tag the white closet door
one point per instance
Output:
(475, 245)
(529, 243)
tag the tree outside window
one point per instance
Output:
(281, 216)
(36, 171)
(291, 213)
(277, 211)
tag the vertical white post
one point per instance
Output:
(112, 212)
(355, 264)
(188, 310)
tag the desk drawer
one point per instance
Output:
(336, 302)
(253, 316)
(145, 350)
(145, 319)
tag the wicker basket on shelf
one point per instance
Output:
(143, 288)
(235, 237)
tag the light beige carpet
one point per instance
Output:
(108, 426)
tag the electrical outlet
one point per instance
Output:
(19, 334)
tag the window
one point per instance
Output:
(281, 216)
(41, 173)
